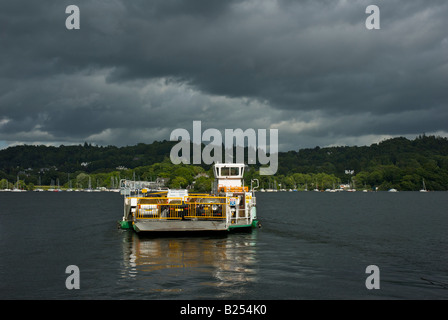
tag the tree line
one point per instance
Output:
(394, 163)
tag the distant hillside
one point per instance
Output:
(85, 157)
(399, 152)
(398, 162)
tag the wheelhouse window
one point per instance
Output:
(230, 171)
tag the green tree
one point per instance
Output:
(82, 180)
(4, 184)
(203, 184)
(178, 183)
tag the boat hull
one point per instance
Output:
(177, 226)
(186, 226)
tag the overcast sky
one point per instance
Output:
(138, 69)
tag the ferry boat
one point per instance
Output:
(229, 206)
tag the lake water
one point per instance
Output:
(311, 246)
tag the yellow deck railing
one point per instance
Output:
(195, 207)
(222, 188)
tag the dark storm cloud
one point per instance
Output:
(138, 69)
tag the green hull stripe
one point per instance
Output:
(253, 225)
(239, 226)
(126, 224)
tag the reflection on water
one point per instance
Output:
(176, 265)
